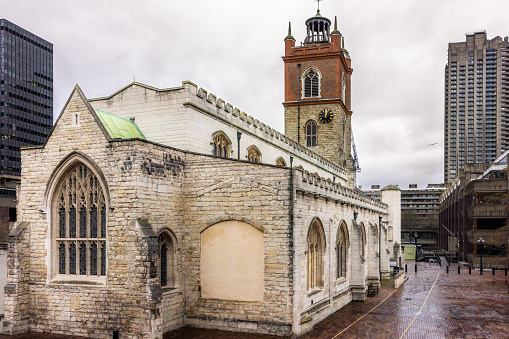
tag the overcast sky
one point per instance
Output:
(233, 49)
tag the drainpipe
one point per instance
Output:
(330, 265)
(298, 109)
(290, 231)
(239, 134)
(380, 249)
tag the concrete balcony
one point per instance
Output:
(487, 211)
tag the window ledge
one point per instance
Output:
(341, 280)
(170, 290)
(313, 292)
(98, 283)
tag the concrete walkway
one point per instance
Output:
(431, 304)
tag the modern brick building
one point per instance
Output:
(476, 102)
(475, 204)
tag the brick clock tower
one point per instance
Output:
(317, 91)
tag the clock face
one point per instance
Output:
(326, 115)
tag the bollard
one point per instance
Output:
(469, 269)
(506, 271)
(447, 269)
(481, 271)
(459, 269)
(406, 269)
(493, 271)
(415, 268)
(115, 334)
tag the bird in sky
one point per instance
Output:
(432, 144)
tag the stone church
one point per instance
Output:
(152, 209)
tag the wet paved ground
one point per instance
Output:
(431, 304)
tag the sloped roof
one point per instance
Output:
(119, 128)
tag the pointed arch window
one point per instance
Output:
(311, 130)
(253, 154)
(342, 245)
(79, 212)
(221, 145)
(315, 252)
(167, 267)
(311, 84)
(280, 162)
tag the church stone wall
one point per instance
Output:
(188, 116)
(137, 188)
(332, 204)
(220, 190)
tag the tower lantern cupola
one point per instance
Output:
(318, 29)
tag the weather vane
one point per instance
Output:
(318, 4)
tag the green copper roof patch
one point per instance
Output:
(119, 128)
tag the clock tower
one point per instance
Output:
(317, 91)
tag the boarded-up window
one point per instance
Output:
(232, 262)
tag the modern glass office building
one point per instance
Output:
(26, 94)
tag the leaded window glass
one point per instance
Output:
(72, 258)
(93, 222)
(311, 134)
(221, 145)
(61, 220)
(83, 259)
(164, 264)
(315, 252)
(253, 154)
(103, 259)
(61, 258)
(93, 258)
(341, 250)
(83, 222)
(311, 84)
(166, 260)
(80, 215)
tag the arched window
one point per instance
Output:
(222, 145)
(315, 251)
(311, 84)
(390, 233)
(280, 162)
(311, 133)
(342, 244)
(167, 276)
(79, 224)
(253, 154)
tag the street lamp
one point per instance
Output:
(480, 242)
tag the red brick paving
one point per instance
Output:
(458, 306)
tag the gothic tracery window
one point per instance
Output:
(222, 145)
(166, 260)
(315, 251)
(341, 251)
(80, 224)
(253, 154)
(311, 133)
(311, 84)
